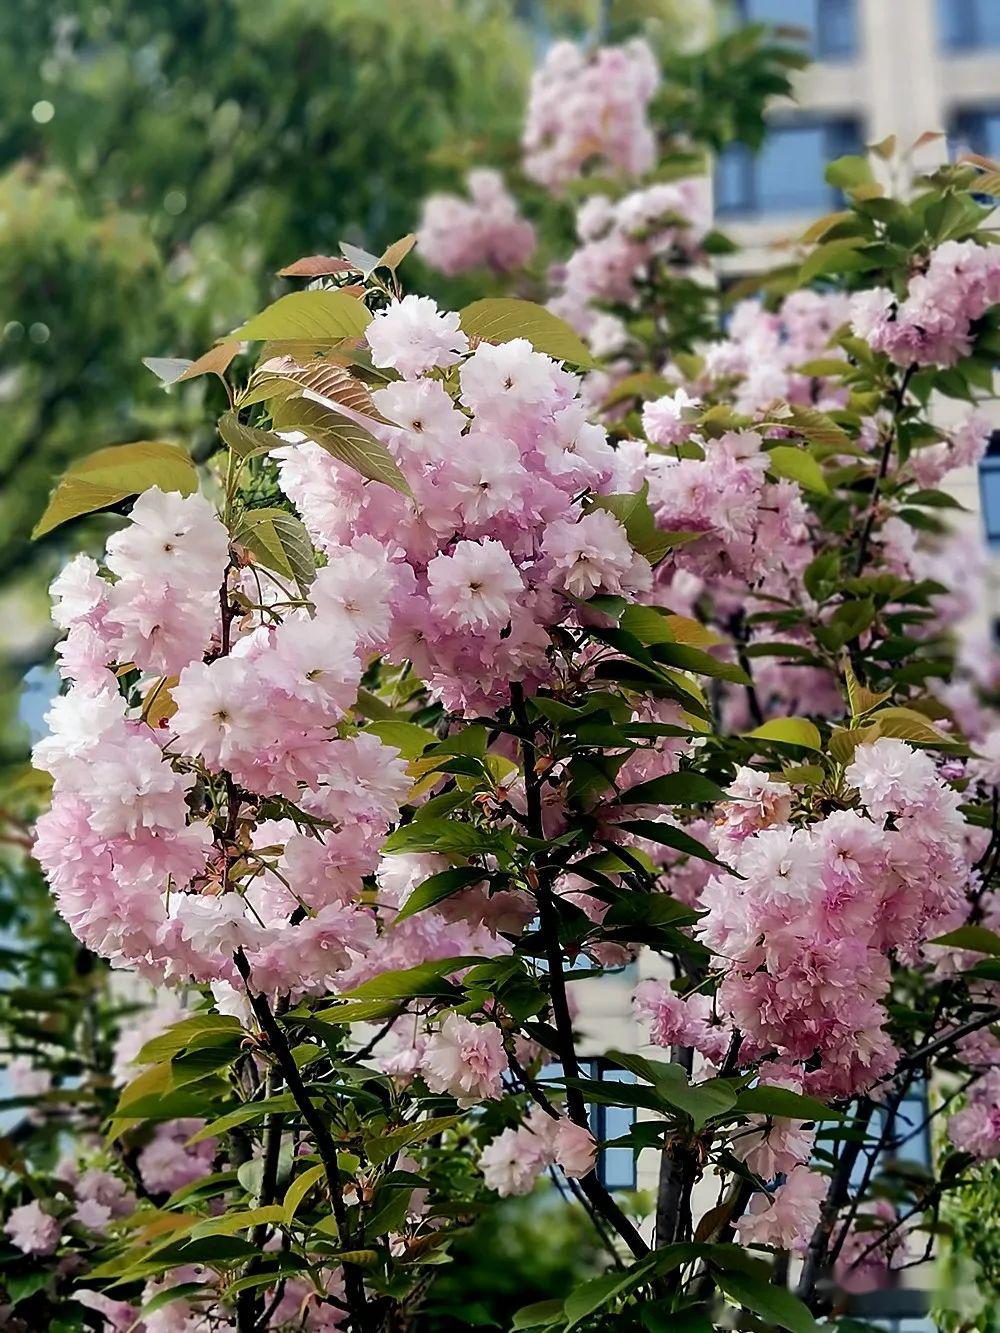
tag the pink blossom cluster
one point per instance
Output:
(806, 926)
(690, 1021)
(750, 527)
(932, 326)
(32, 1229)
(160, 608)
(465, 579)
(299, 1306)
(487, 230)
(976, 1128)
(622, 243)
(873, 1248)
(786, 1218)
(513, 1161)
(964, 444)
(763, 352)
(130, 844)
(590, 112)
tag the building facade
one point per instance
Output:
(879, 67)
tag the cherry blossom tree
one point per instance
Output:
(490, 648)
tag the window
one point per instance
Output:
(989, 491)
(787, 175)
(964, 25)
(615, 1166)
(829, 26)
(976, 130)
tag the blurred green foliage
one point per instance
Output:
(158, 162)
(515, 1254)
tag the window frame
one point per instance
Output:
(959, 27)
(821, 44)
(842, 133)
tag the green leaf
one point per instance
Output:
(977, 938)
(642, 385)
(439, 887)
(785, 460)
(634, 514)
(359, 1011)
(700, 1101)
(906, 724)
(772, 1303)
(539, 1315)
(280, 542)
(407, 982)
(406, 737)
(110, 475)
(381, 1147)
(682, 788)
(703, 664)
(501, 319)
(841, 256)
(298, 1190)
(668, 835)
(765, 1099)
(247, 441)
(600, 1291)
(179, 1035)
(318, 317)
(449, 836)
(820, 429)
(596, 1293)
(242, 1115)
(346, 440)
(229, 1223)
(661, 1317)
(181, 1292)
(788, 731)
(821, 575)
(848, 172)
(21, 1286)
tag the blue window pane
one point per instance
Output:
(829, 27)
(989, 496)
(977, 131)
(790, 170)
(836, 29)
(966, 24)
(733, 179)
(787, 176)
(617, 1168)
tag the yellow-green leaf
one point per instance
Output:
(280, 542)
(788, 731)
(785, 460)
(345, 439)
(861, 699)
(326, 379)
(501, 319)
(393, 255)
(905, 724)
(310, 316)
(229, 1223)
(247, 441)
(298, 1190)
(110, 475)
